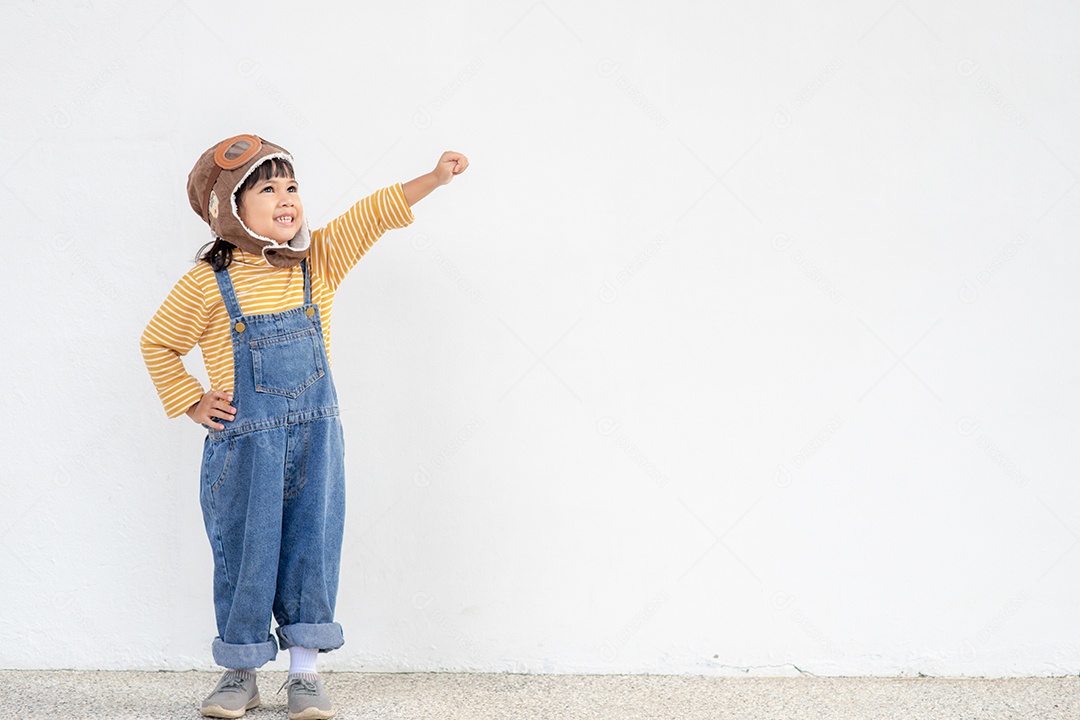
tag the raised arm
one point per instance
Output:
(450, 164)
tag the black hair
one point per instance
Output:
(220, 251)
(272, 168)
(219, 255)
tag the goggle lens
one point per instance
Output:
(236, 151)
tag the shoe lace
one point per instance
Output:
(232, 682)
(299, 685)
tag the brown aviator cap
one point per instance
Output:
(212, 185)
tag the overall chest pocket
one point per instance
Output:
(287, 364)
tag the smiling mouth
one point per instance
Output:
(284, 220)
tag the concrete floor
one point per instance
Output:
(449, 696)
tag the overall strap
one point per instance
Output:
(307, 282)
(227, 293)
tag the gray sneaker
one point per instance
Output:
(235, 694)
(307, 698)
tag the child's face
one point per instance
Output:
(272, 208)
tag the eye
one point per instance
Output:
(293, 188)
(268, 188)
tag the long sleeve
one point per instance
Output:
(175, 328)
(337, 247)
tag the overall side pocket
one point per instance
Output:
(215, 468)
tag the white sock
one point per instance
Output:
(302, 659)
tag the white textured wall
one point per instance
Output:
(747, 343)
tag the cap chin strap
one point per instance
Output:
(302, 238)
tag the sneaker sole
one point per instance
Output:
(219, 712)
(312, 714)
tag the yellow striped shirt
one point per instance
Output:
(195, 313)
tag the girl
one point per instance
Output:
(258, 303)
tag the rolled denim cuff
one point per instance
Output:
(318, 636)
(239, 657)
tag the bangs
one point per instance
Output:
(275, 167)
(272, 168)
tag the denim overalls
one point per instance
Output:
(273, 488)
